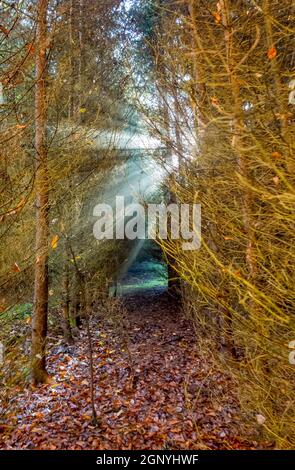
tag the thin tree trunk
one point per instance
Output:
(278, 88)
(84, 295)
(39, 323)
(77, 303)
(173, 276)
(81, 61)
(242, 160)
(200, 90)
(71, 104)
(66, 299)
(238, 127)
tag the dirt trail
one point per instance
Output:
(167, 398)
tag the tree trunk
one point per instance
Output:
(39, 323)
(199, 96)
(77, 304)
(71, 104)
(278, 89)
(242, 159)
(66, 299)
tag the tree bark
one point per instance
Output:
(199, 95)
(71, 104)
(66, 298)
(39, 323)
(242, 159)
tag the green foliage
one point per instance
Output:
(18, 312)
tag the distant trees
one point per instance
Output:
(39, 320)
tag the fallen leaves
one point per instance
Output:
(36, 430)
(155, 402)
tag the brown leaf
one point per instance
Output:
(214, 101)
(31, 48)
(54, 242)
(36, 430)
(81, 443)
(4, 30)
(272, 53)
(15, 268)
(217, 17)
(276, 155)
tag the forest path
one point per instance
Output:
(167, 397)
